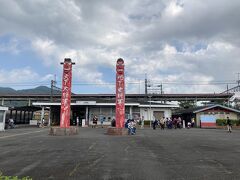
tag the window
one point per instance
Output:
(1, 116)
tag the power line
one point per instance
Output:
(127, 82)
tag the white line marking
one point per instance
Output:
(28, 168)
(91, 146)
(21, 134)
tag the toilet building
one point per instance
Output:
(209, 116)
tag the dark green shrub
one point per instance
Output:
(238, 122)
(222, 122)
(146, 122)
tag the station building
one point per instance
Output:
(85, 110)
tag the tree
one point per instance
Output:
(186, 104)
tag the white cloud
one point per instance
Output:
(13, 46)
(46, 49)
(22, 78)
(169, 40)
(173, 9)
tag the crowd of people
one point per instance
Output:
(131, 125)
(168, 122)
(9, 124)
(171, 123)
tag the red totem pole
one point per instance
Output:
(120, 94)
(66, 94)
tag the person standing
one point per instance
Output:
(155, 122)
(174, 123)
(113, 122)
(77, 121)
(133, 126)
(162, 123)
(43, 122)
(95, 120)
(193, 122)
(101, 120)
(229, 125)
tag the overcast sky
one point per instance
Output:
(188, 45)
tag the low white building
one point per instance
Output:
(106, 111)
(3, 111)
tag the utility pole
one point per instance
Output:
(53, 84)
(146, 84)
(161, 89)
(139, 86)
(150, 111)
(238, 81)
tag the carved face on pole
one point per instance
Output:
(120, 94)
(66, 94)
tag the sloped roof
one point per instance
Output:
(216, 105)
(188, 110)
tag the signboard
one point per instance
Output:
(120, 94)
(208, 121)
(83, 122)
(86, 102)
(66, 94)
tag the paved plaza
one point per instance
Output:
(169, 154)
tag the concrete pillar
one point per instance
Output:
(32, 115)
(11, 114)
(21, 116)
(49, 116)
(16, 115)
(2, 101)
(112, 113)
(24, 116)
(42, 113)
(86, 117)
(28, 116)
(4, 117)
(29, 102)
(130, 112)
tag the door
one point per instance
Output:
(158, 114)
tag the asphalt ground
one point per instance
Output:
(150, 154)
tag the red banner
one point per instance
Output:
(120, 94)
(66, 94)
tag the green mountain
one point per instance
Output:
(6, 90)
(37, 90)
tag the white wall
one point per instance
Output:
(2, 117)
(147, 113)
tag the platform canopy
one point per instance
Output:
(26, 108)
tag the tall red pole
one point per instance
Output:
(120, 94)
(66, 94)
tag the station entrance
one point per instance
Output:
(76, 111)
